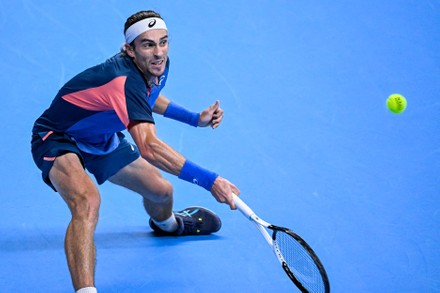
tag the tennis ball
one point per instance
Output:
(396, 103)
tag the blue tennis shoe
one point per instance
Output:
(192, 221)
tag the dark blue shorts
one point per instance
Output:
(45, 148)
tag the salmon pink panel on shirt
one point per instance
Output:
(110, 96)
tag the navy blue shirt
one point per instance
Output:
(99, 102)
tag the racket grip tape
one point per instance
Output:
(242, 206)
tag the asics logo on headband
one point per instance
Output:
(146, 24)
(151, 23)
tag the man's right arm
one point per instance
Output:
(155, 151)
(164, 157)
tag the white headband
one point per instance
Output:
(146, 24)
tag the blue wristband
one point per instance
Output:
(176, 112)
(195, 174)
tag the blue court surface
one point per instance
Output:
(306, 137)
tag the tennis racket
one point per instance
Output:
(297, 258)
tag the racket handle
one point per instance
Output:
(243, 207)
(250, 214)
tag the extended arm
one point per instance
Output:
(169, 160)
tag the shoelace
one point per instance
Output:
(187, 213)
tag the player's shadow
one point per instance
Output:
(145, 238)
(17, 240)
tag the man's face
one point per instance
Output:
(150, 52)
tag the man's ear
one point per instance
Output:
(129, 50)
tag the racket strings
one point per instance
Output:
(300, 262)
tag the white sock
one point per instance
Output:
(87, 290)
(169, 225)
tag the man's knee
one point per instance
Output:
(163, 193)
(76, 188)
(84, 205)
(166, 193)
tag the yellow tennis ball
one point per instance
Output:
(396, 103)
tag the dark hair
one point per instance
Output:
(139, 16)
(135, 18)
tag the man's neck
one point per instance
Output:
(151, 80)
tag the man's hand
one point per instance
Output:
(212, 116)
(222, 191)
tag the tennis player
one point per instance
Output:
(82, 130)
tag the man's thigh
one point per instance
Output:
(142, 177)
(71, 180)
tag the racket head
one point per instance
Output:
(299, 261)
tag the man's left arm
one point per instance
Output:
(211, 116)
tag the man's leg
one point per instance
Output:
(81, 195)
(145, 179)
